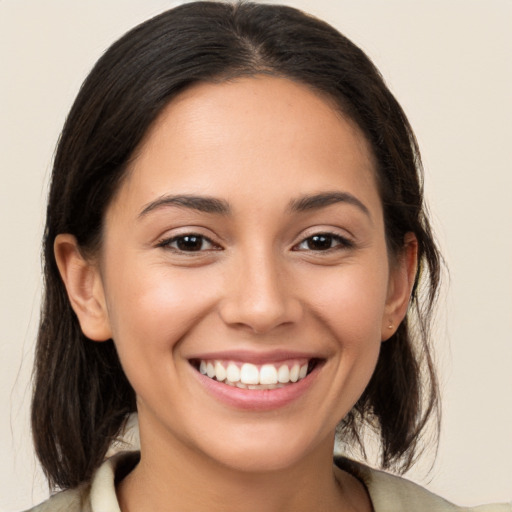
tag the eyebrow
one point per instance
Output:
(200, 203)
(220, 207)
(323, 199)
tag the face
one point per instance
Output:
(244, 274)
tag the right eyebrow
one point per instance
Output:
(323, 199)
(204, 204)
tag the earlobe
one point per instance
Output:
(84, 287)
(401, 282)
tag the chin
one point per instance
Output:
(264, 450)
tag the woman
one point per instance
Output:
(234, 244)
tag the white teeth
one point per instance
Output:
(283, 374)
(249, 374)
(220, 372)
(233, 372)
(268, 374)
(294, 373)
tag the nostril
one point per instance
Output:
(258, 320)
(257, 302)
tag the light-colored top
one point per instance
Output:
(388, 493)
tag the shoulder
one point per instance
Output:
(390, 493)
(71, 500)
(97, 496)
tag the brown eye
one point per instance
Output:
(319, 242)
(323, 242)
(188, 243)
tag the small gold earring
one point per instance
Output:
(390, 326)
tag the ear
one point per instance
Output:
(84, 286)
(401, 281)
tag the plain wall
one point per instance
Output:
(448, 62)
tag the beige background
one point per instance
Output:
(447, 61)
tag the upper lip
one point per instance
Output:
(255, 357)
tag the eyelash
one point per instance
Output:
(168, 243)
(340, 243)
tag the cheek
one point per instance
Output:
(351, 308)
(152, 308)
(351, 302)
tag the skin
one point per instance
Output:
(258, 284)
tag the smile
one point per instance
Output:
(252, 376)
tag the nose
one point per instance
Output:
(259, 295)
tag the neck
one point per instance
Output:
(171, 476)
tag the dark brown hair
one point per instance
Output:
(81, 395)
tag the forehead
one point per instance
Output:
(255, 134)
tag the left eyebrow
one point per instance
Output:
(200, 203)
(323, 199)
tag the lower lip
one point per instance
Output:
(257, 399)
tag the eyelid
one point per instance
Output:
(165, 242)
(343, 242)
